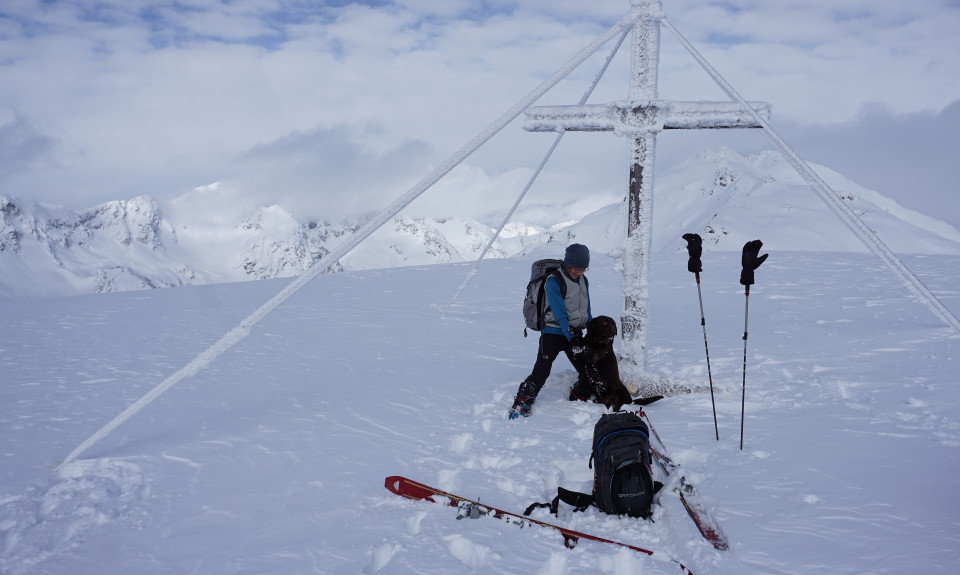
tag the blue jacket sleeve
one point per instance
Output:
(555, 300)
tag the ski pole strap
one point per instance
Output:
(579, 501)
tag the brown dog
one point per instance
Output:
(602, 368)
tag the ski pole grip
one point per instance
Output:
(694, 251)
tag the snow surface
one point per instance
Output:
(272, 460)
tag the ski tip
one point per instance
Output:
(408, 488)
(392, 484)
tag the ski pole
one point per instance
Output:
(706, 349)
(695, 250)
(750, 262)
(743, 396)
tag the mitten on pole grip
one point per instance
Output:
(695, 250)
(750, 261)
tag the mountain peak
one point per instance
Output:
(213, 235)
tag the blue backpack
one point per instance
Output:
(622, 479)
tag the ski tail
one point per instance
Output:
(706, 523)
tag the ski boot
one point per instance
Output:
(521, 406)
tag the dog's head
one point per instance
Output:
(601, 330)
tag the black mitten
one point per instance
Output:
(577, 346)
(695, 249)
(750, 261)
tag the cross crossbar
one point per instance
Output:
(640, 117)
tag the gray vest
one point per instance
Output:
(576, 303)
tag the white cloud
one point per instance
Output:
(329, 173)
(907, 157)
(23, 147)
(297, 100)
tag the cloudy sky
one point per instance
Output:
(336, 107)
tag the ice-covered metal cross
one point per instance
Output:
(640, 118)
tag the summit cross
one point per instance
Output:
(640, 118)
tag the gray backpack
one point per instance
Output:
(535, 300)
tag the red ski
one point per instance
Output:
(472, 509)
(704, 520)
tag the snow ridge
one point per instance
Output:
(135, 244)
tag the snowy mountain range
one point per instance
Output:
(137, 244)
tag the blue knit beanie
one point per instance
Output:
(577, 256)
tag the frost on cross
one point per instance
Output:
(640, 118)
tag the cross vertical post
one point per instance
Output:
(644, 59)
(640, 118)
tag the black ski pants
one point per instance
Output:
(551, 345)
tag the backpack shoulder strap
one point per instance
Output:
(579, 501)
(558, 275)
(542, 292)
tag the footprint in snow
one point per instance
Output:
(53, 518)
(381, 555)
(471, 554)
